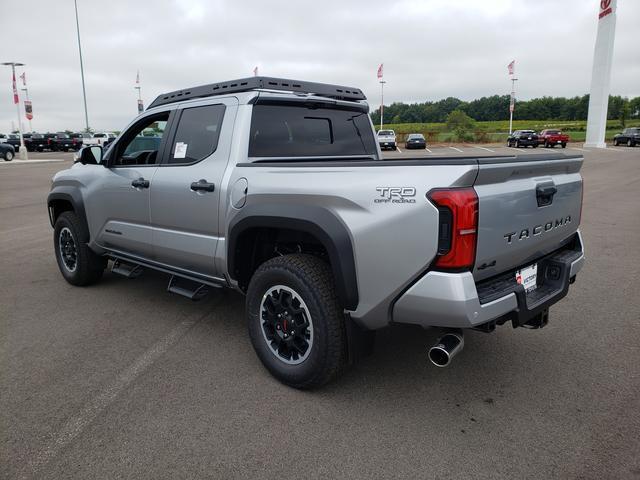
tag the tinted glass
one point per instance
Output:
(99, 135)
(138, 149)
(197, 134)
(385, 132)
(298, 131)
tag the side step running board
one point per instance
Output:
(129, 270)
(188, 288)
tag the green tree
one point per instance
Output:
(625, 113)
(461, 124)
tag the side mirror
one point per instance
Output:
(90, 155)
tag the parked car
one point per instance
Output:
(34, 142)
(3, 137)
(13, 139)
(276, 193)
(7, 151)
(387, 139)
(551, 138)
(629, 137)
(523, 138)
(60, 142)
(79, 138)
(100, 138)
(415, 140)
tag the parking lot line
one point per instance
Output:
(484, 148)
(579, 149)
(428, 150)
(398, 148)
(76, 425)
(456, 149)
(26, 162)
(617, 149)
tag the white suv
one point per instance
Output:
(387, 139)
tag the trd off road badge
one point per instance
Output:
(396, 195)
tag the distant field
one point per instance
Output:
(497, 131)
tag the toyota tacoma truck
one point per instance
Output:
(551, 138)
(277, 189)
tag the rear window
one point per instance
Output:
(99, 135)
(386, 132)
(553, 132)
(298, 131)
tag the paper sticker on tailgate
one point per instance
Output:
(527, 277)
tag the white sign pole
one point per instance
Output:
(601, 75)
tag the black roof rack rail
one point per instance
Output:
(252, 83)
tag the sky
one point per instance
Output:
(430, 50)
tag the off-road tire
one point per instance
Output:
(90, 266)
(564, 145)
(8, 156)
(630, 143)
(311, 279)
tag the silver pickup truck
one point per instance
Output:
(277, 188)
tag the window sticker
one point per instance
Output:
(181, 150)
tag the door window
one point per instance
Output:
(197, 134)
(140, 144)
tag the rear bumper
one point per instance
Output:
(525, 142)
(455, 300)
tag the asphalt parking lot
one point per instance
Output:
(124, 380)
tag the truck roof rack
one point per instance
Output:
(253, 83)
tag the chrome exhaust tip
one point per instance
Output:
(447, 347)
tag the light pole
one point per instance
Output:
(84, 92)
(382, 82)
(139, 88)
(512, 102)
(22, 151)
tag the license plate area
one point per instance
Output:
(528, 277)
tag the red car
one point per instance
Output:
(551, 138)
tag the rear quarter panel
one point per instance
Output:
(393, 242)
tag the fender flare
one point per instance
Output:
(317, 221)
(69, 194)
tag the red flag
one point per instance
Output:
(380, 70)
(28, 109)
(511, 67)
(24, 78)
(255, 72)
(15, 90)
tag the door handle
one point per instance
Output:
(545, 193)
(202, 185)
(140, 183)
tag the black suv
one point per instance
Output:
(629, 136)
(523, 138)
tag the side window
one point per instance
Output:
(140, 144)
(197, 134)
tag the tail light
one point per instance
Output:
(48, 141)
(458, 227)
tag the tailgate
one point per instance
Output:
(528, 207)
